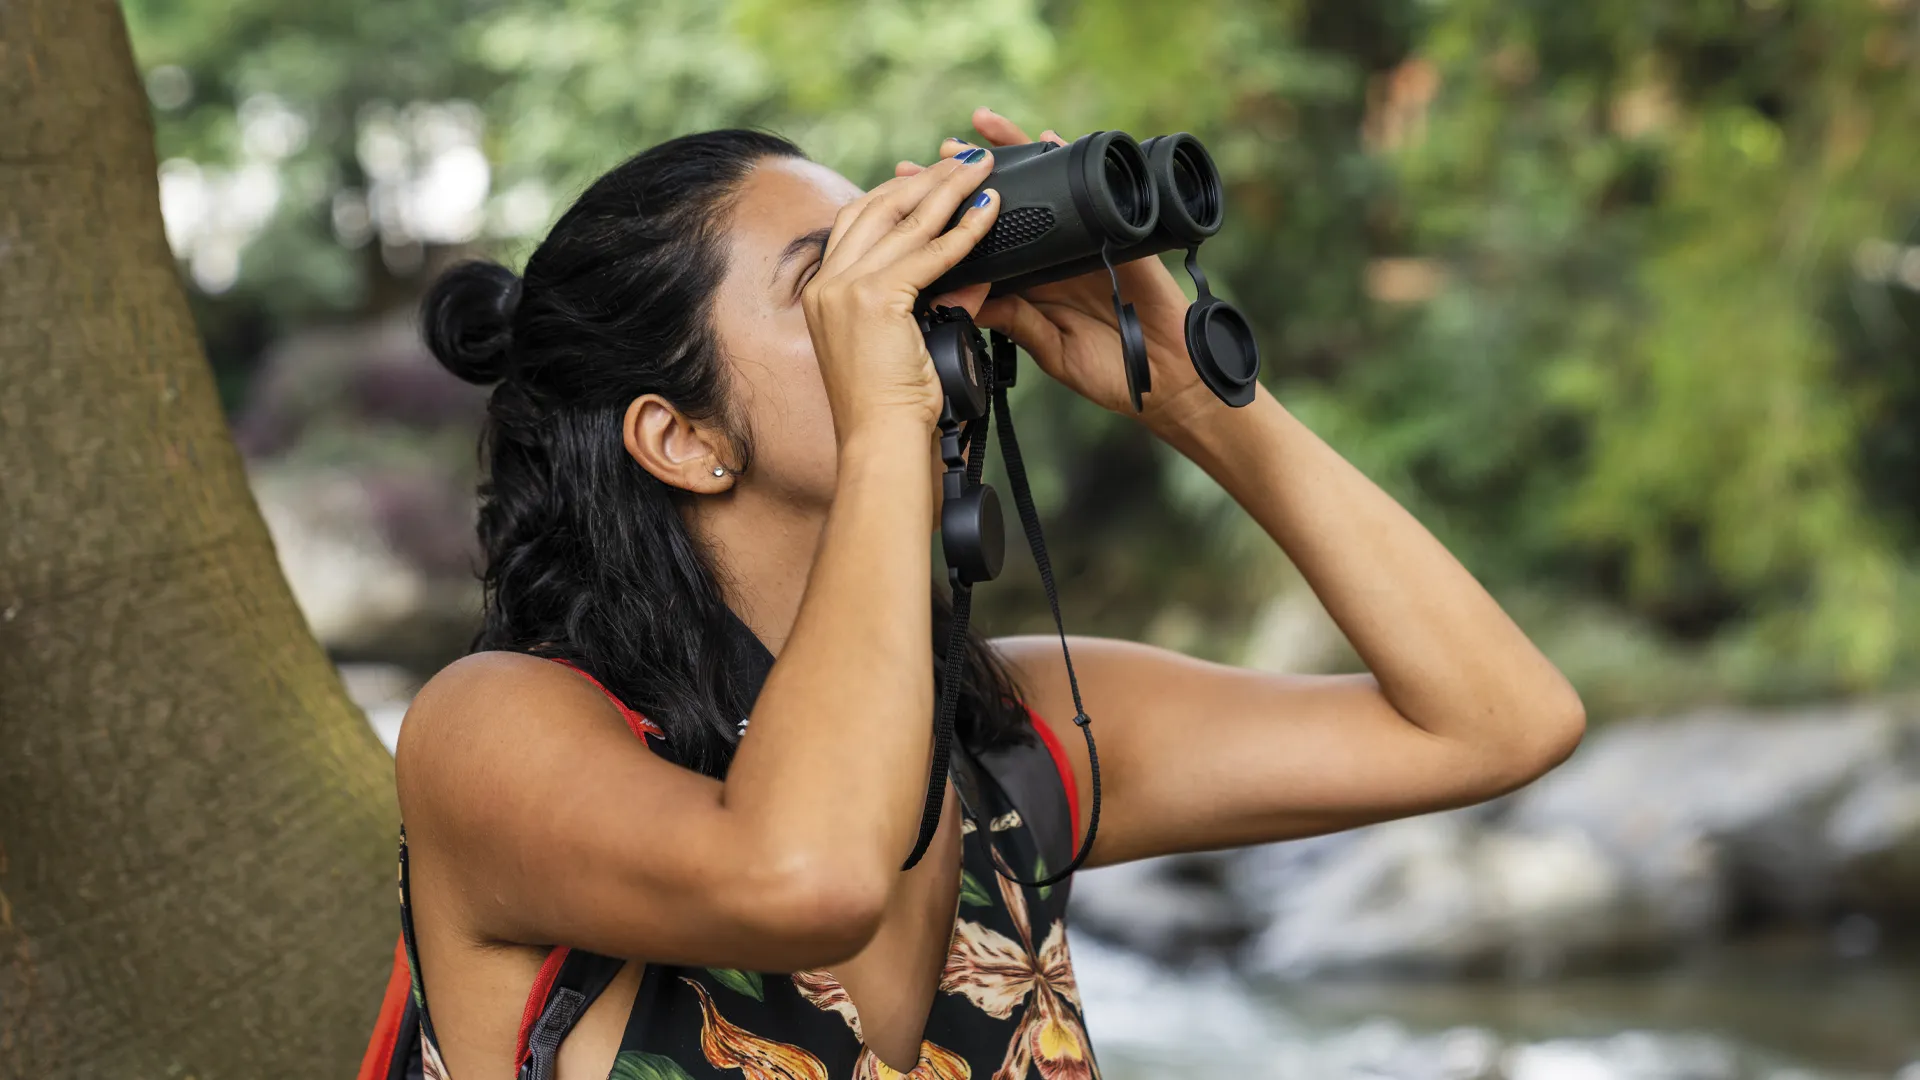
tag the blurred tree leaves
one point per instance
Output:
(1610, 294)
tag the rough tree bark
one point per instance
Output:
(196, 825)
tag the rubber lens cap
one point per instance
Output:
(973, 534)
(1224, 352)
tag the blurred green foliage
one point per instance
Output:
(1619, 297)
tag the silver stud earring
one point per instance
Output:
(718, 471)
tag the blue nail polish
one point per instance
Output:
(958, 139)
(979, 201)
(971, 156)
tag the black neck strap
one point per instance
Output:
(1037, 544)
(1002, 415)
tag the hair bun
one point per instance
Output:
(467, 320)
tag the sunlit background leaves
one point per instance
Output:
(1619, 297)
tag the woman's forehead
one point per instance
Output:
(783, 198)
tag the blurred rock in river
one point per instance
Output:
(1657, 836)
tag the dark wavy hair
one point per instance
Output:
(588, 558)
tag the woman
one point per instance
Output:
(714, 415)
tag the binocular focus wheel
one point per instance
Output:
(1224, 352)
(973, 535)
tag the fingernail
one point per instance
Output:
(971, 156)
(958, 139)
(980, 200)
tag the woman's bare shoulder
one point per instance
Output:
(493, 712)
(482, 687)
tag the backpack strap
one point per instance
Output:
(570, 981)
(537, 999)
(398, 1019)
(410, 1022)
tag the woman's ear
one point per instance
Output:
(678, 451)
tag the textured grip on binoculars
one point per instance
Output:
(1057, 204)
(1191, 207)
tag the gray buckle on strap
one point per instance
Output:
(543, 1042)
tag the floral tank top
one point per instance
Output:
(1006, 1007)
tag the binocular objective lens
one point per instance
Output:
(1198, 188)
(1128, 184)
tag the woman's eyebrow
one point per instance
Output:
(815, 241)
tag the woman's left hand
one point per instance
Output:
(1068, 326)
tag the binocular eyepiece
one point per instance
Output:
(1100, 201)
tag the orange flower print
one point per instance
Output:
(824, 992)
(729, 1046)
(998, 974)
(936, 1063)
(1051, 1038)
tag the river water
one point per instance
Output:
(1786, 1011)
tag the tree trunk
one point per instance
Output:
(196, 825)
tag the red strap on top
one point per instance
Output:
(537, 1001)
(378, 1060)
(640, 725)
(1060, 765)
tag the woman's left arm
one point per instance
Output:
(1459, 707)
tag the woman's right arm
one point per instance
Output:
(539, 818)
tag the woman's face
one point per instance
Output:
(781, 218)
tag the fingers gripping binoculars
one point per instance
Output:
(1069, 210)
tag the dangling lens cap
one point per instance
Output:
(1224, 352)
(973, 534)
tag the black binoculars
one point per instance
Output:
(1067, 210)
(1103, 200)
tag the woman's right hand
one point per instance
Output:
(885, 247)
